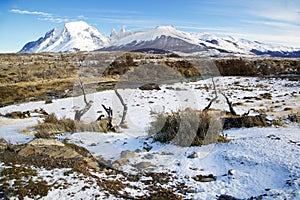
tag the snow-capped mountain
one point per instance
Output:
(170, 39)
(166, 38)
(79, 36)
(73, 36)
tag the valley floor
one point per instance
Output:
(256, 162)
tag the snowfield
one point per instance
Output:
(256, 162)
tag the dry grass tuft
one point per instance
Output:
(53, 126)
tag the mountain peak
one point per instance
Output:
(72, 36)
(77, 26)
(166, 27)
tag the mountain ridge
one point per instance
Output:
(79, 36)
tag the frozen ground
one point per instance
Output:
(261, 160)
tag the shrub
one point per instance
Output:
(196, 128)
(187, 128)
(53, 126)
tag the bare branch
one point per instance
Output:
(80, 113)
(88, 105)
(125, 108)
(214, 99)
(208, 106)
(215, 89)
(230, 105)
(83, 91)
(109, 112)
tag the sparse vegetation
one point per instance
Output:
(24, 184)
(231, 121)
(258, 66)
(30, 77)
(196, 128)
(53, 126)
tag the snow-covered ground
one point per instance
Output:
(261, 160)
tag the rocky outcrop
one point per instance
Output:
(50, 153)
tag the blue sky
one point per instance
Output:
(273, 21)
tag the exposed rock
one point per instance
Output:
(193, 155)
(3, 143)
(48, 101)
(149, 156)
(121, 161)
(226, 197)
(129, 154)
(56, 154)
(138, 151)
(150, 86)
(143, 165)
(205, 178)
(231, 172)
(46, 142)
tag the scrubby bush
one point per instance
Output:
(187, 128)
(196, 128)
(53, 126)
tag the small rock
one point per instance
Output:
(193, 155)
(93, 145)
(149, 156)
(122, 161)
(147, 148)
(205, 178)
(191, 190)
(115, 165)
(150, 86)
(227, 197)
(129, 154)
(142, 165)
(46, 142)
(138, 151)
(231, 172)
(48, 101)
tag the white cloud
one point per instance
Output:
(281, 10)
(42, 15)
(26, 12)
